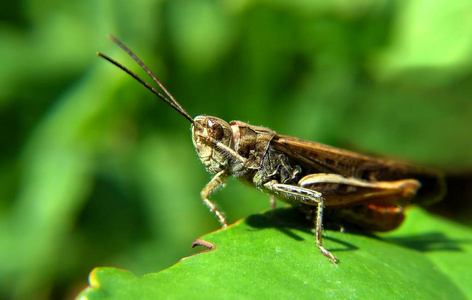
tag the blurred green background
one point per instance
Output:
(95, 171)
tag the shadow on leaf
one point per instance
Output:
(431, 241)
(286, 219)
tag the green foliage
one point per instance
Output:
(95, 171)
(262, 257)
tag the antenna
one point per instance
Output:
(173, 103)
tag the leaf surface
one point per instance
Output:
(274, 255)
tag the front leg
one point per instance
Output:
(309, 197)
(215, 182)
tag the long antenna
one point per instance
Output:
(173, 103)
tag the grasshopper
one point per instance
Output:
(320, 180)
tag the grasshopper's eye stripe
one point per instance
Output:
(217, 132)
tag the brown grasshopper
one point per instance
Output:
(353, 188)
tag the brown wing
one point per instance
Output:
(319, 158)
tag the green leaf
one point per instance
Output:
(274, 255)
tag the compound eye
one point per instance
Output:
(215, 130)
